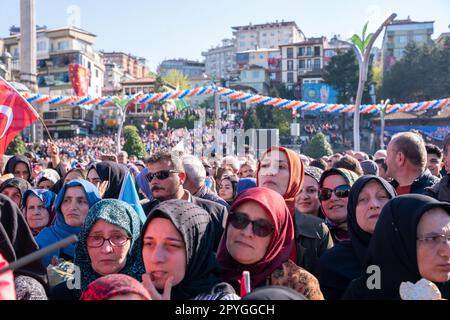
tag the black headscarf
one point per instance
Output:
(274, 293)
(16, 240)
(359, 238)
(12, 162)
(195, 226)
(393, 248)
(114, 173)
(18, 183)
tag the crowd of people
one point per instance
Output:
(284, 226)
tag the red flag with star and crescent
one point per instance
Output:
(16, 114)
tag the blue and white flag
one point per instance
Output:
(129, 195)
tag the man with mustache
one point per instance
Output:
(166, 178)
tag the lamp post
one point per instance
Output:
(384, 104)
(362, 48)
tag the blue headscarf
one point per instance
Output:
(47, 198)
(143, 184)
(245, 183)
(61, 229)
(122, 215)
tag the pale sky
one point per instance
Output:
(159, 30)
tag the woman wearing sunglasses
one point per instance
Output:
(334, 188)
(108, 244)
(259, 238)
(345, 261)
(411, 241)
(282, 170)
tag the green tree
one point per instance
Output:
(159, 85)
(342, 73)
(274, 118)
(318, 147)
(251, 120)
(422, 74)
(16, 146)
(133, 142)
(177, 79)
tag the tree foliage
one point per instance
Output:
(177, 79)
(318, 147)
(16, 146)
(422, 74)
(342, 73)
(133, 143)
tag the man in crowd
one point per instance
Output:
(441, 190)
(166, 179)
(406, 163)
(434, 159)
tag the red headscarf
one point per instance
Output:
(113, 285)
(296, 174)
(280, 245)
(7, 287)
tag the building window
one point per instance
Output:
(63, 45)
(96, 73)
(264, 34)
(301, 64)
(308, 51)
(301, 51)
(316, 63)
(402, 39)
(290, 65)
(290, 77)
(317, 52)
(290, 53)
(41, 46)
(261, 56)
(242, 44)
(255, 74)
(309, 64)
(419, 38)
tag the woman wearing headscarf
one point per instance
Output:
(71, 206)
(111, 173)
(259, 237)
(15, 188)
(334, 188)
(96, 256)
(345, 261)
(16, 241)
(410, 242)
(228, 189)
(282, 170)
(115, 287)
(20, 167)
(38, 209)
(179, 256)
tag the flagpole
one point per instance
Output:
(32, 108)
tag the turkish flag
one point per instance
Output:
(15, 114)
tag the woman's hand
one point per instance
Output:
(148, 284)
(102, 187)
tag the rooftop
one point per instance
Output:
(275, 24)
(308, 41)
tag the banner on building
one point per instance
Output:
(79, 77)
(319, 92)
(434, 132)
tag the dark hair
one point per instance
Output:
(319, 163)
(349, 163)
(164, 155)
(446, 144)
(382, 163)
(433, 149)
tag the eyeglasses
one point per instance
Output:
(160, 175)
(341, 191)
(98, 241)
(261, 228)
(436, 239)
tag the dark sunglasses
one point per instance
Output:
(261, 228)
(341, 191)
(160, 175)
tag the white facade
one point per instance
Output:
(268, 35)
(221, 60)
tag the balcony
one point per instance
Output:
(15, 65)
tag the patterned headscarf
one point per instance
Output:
(47, 198)
(120, 214)
(113, 285)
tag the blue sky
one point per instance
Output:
(157, 29)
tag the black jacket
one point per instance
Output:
(426, 179)
(441, 190)
(312, 239)
(218, 212)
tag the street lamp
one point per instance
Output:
(383, 106)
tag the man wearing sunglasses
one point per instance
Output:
(166, 179)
